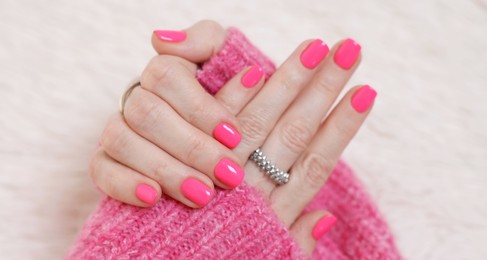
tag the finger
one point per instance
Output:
(123, 183)
(176, 179)
(313, 167)
(153, 119)
(196, 44)
(311, 227)
(241, 89)
(259, 117)
(298, 125)
(169, 78)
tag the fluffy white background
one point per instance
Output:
(422, 153)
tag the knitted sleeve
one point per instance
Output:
(236, 224)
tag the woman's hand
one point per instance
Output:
(174, 137)
(166, 136)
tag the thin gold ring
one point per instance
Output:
(125, 96)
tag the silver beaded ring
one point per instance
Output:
(277, 175)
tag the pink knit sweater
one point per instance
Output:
(236, 224)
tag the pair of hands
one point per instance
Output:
(175, 138)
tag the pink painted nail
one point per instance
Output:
(363, 98)
(314, 54)
(196, 191)
(171, 36)
(252, 76)
(347, 54)
(227, 135)
(146, 193)
(323, 225)
(229, 173)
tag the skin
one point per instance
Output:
(170, 105)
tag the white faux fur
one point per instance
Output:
(422, 153)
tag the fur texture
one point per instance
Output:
(422, 153)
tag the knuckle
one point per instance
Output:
(291, 79)
(253, 127)
(93, 168)
(316, 169)
(216, 33)
(198, 111)
(211, 26)
(196, 147)
(112, 138)
(110, 187)
(160, 70)
(228, 104)
(326, 84)
(160, 173)
(143, 113)
(102, 175)
(295, 135)
(344, 128)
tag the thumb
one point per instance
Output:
(309, 228)
(196, 44)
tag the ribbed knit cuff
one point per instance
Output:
(236, 224)
(236, 54)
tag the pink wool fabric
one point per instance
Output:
(236, 224)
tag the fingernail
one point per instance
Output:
(170, 36)
(227, 135)
(363, 98)
(347, 54)
(146, 193)
(252, 76)
(323, 225)
(314, 54)
(196, 191)
(229, 173)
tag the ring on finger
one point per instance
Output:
(277, 175)
(125, 95)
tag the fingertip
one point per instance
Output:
(310, 227)
(198, 43)
(323, 225)
(252, 76)
(363, 98)
(147, 194)
(197, 192)
(170, 36)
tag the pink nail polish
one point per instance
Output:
(252, 76)
(229, 173)
(314, 54)
(227, 135)
(323, 225)
(363, 98)
(170, 36)
(347, 54)
(146, 193)
(196, 191)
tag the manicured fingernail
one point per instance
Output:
(323, 225)
(347, 54)
(196, 191)
(227, 135)
(363, 98)
(229, 173)
(314, 54)
(146, 193)
(252, 76)
(171, 36)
